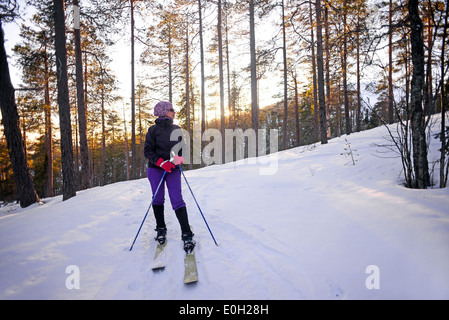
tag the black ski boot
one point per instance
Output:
(189, 244)
(187, 234)
(161, 235)
(160, 224)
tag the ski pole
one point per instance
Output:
(207, 225)
(154, 196)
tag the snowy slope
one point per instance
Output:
(309, 231)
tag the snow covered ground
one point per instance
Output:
(319, 228)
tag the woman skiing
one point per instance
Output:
(158, 151)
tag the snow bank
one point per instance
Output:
(319, 228)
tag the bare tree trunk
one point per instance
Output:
(203, 82)
(443, 165)
(103, 135)
(141, 142)
(358, 116)
(390, 63)
(220, 69)
(133, 101)
(429, 107)
(48, 184)
(298, 129)
(315, 94)
(190, 165)
(170, 65)
(84, 150)
(10, 120)
(126, 144)
(284, 50)
(320, 66)
(254, 102)
(68, 177)
(345, 69)
(328, 84)
(114, 159)
(228, 67)
(420, 162)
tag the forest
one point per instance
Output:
(311, 69)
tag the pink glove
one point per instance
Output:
(177, 160)
(166, 165)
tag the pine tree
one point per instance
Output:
(254, 100)
(320, 71)
(69, 182)
(10, 120)
(84, 150)
(420, 162)
(35, 57)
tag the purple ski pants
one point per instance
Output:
(173, 182)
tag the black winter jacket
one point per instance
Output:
(157, 142)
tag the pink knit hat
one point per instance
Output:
(161, 108)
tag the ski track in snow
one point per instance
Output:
(307, 232)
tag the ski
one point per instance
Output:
(190, 270)
(159, 257)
